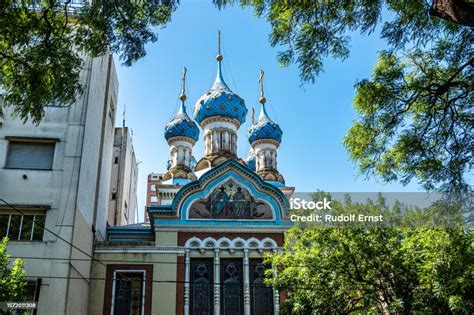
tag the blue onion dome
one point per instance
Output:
(220, 101)
(250, 161)
(182, 126)
(265, 128)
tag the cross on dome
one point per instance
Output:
(264, 128)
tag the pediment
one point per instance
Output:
(230, 192)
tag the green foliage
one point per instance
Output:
(416, 112)
(11, 277)
(442, 211)
(310, 31)
(416, 118)
(42, 45)
(377, 270)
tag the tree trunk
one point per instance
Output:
(457, 11)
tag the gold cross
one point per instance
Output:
(260, 80)
(183, 79)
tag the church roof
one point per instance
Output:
(265, 128)
(220, 101)
(182, 126)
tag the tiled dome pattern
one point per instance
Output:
(182, 126)
(264, 129)
(220, 101)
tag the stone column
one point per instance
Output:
(274, 159)
(217, 281)
(187, 285)
(234, 143)
(215, 143)
(220, 141)
(246, 283)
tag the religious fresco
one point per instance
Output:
(230, 201)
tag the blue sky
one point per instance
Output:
(314, 118)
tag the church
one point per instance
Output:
(212, 220)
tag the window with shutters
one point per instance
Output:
(30, 154)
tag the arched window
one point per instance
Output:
(201, 279)
(261, 295)
(231, 286)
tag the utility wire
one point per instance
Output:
(154, 281)
(48, 230)
(168, 281)
(104, 260)
(58, 236)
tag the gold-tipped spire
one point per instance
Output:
(219, 56)
(260, 80)
(183, 88)
(253, 116)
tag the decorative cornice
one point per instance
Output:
(180, 138)
(223, 229)
(220, 118)
(265, 141)
(180, 250)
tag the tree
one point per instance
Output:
(11, 277)
(360, 270)
(416, 111)
(416, 118)
(415, 124)
(42, 44)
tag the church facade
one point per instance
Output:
(212, 222)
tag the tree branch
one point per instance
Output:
(457, 11)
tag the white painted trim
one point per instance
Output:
(233, 243)
(179, 251)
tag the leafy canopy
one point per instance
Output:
(42, 45)
(360, 270)
(416, 111)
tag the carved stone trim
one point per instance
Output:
(220, 118)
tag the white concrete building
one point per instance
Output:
(59, 173)
(123, 205)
